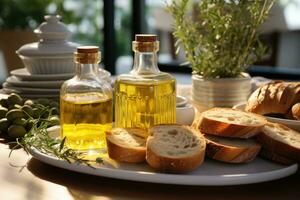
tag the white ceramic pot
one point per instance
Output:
(221, 92)
(52, 54)
(49, 64)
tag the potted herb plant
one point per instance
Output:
(220, 39)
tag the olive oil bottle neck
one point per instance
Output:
(87, 70)
(145, 63)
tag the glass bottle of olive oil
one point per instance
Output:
(146, 96)
(86, 104)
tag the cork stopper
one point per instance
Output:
(87, 49)
(145, 38)
(87, 55)
(145, 43)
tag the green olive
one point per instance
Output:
(4, 103)
(20, 121)
(55, 111)
(29, 124)
(3, 125)
(16, 131)
(36, 113)
(54, 104)
(3, 112)
(27, 110)
(13, 114)
(29, 102)
(14, 99)
(54, 120)
(15, 106)
(44, 102)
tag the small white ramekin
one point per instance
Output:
(185, 114)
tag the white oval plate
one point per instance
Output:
(23, 74)
(14, 81)
(293, 124)
(210, 173)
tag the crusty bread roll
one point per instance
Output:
(231, 150)
(175, 148)
(281, 140)
(127, 144)
(271, 155)
(296, 111)
(274, 98)
(228, 122)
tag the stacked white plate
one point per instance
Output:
(35, 86)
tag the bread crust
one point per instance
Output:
(277, 146)
(231, 154)
(173, 164)
(224, 129)
(271, 155)
(124, 153)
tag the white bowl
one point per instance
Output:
(293, 124)
(181, 101)
(49, 64)
(185, 114)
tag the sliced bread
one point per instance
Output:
(281, 140)
(127, 144)
(271, 155)
(175, 148)
(231, 150)
(228, 122)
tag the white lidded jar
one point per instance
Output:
(53, 53)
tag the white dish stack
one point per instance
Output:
(48, 62)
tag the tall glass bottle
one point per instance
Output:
(146, 96)
(86, 104)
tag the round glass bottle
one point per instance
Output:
(146, 96)
(86, 104)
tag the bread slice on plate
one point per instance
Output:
(175, 148)
(271, 155)
(228, 122)
(127, 144)
(281, 140)
(231, 150)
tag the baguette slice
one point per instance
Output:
(175, 148)
(270, 155)
(228, 122)
(281, 140)
(231, 150)
(127, 144)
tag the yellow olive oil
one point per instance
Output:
(84, 119)
(143, 104)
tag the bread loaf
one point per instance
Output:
(127, 144)
(274, 98)
(271, 155)
(281, 140)
(228, 122)
(231, 150)
(175, 148)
